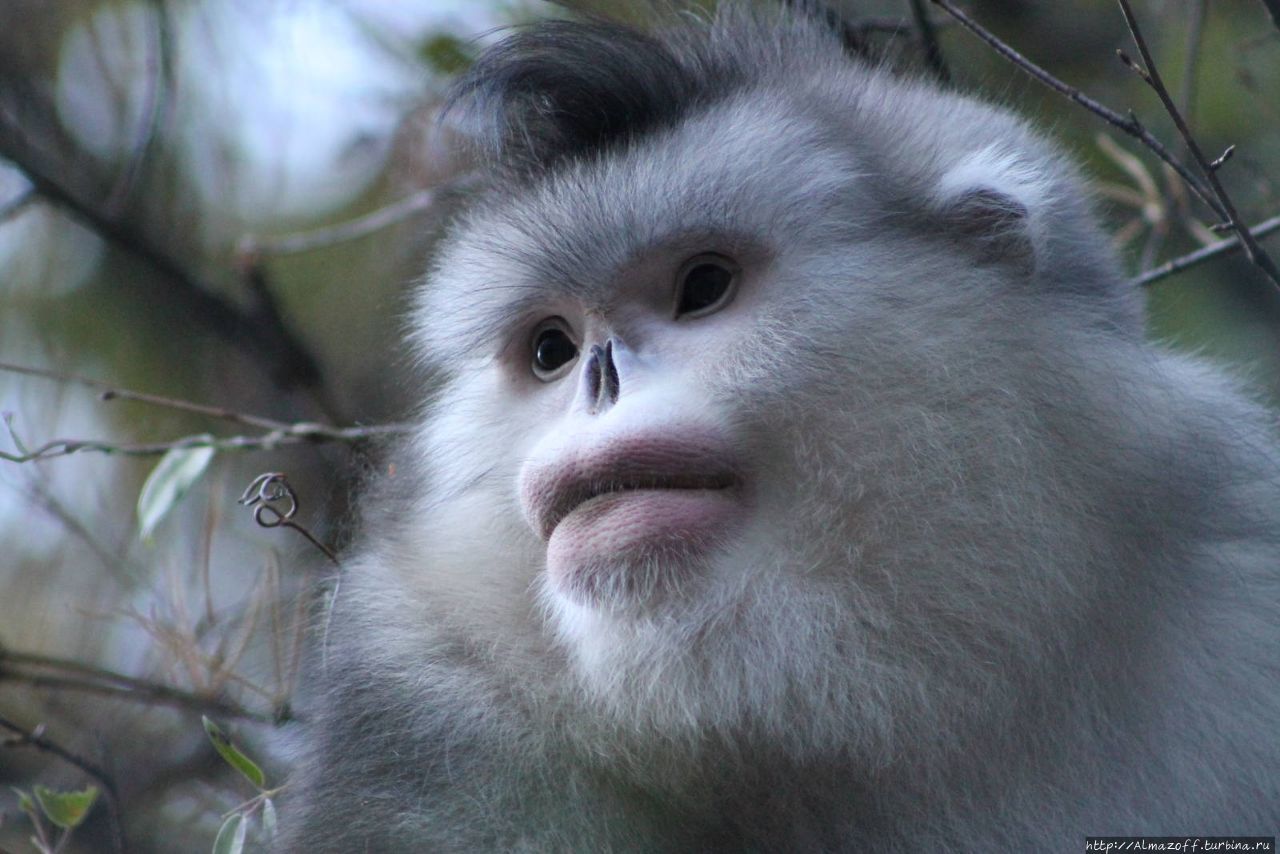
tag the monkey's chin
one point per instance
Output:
(638, 546)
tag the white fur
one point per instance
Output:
(1010, 573)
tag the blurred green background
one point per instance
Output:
(226, 202)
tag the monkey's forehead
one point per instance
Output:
(737, 173)
(804, 164)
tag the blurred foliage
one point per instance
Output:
(206, 128)
(447, 53)
(65, 811)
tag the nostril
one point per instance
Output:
(611, 381)
(593, 371)
(601, 382)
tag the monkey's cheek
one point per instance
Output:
(638, 545)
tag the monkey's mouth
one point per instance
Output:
(685, 465)
(579, 494)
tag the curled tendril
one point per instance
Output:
(266, 495)
(275, 504)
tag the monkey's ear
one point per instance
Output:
(986, 203)
(994, 225)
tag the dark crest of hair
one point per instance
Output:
(563, 89)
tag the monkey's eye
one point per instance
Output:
(704, 285)
(553, 349)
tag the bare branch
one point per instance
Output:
(44, 671)
(159, 84)
(1191, 62)
(306, 241)
(16, 205)
(35, 738)
(854, 34)
(1273, 6)
(1213, 250)
(278, 432)
(1129, 125)
(115, 564)
(929, 42)
(110, 392)
(886, 25)
(1151, 75)
(1222, 158)
(303, 432)
(260, 332)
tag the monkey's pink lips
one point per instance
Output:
(592, 494)
(686, 464)
(601, 509)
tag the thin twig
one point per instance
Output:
(1151, 75)
(353, 229)
(64, 674)
(259, 332)
(159, 695)
(1195, 40)
(929, 42)
(854, 33)
(1213, 250)
(278, 432)
(111, 795)
(1129, 125)
(115, 564)
(159, 83)
(889, 26)
(1273, 6)
(111, 392)
(302, 432)
(854, 40)
(17, 205)
(1174, 197)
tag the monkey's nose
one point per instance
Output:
(600, 380)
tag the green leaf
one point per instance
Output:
(269, 818)
(233, 756)
(231, 835)
(65, 809)
(168, 482)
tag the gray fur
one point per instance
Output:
(1012, 572)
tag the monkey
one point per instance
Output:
(798, 476)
